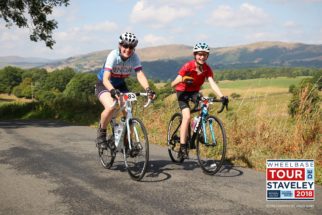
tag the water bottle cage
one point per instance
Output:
(118, 130)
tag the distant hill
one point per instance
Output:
(162, 62)
(23, 62)
(95, 60)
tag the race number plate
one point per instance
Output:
(130, 97)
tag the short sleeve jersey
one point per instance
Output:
(190, 69)
(118, 68)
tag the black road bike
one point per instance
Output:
(207, 131)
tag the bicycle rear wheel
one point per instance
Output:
(136, 156)
(107, 157)
(173, 137)
(211, 145)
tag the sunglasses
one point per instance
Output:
(205, 54)
(128, 46)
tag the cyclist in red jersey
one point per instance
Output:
(190, 78)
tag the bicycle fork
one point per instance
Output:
(212, 133)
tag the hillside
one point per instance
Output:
(23, 62)
(162, 62)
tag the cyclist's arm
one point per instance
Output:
(142, 79)
(176, 81)
(215, 87)
(106, 80)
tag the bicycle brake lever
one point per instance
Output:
(148, 103)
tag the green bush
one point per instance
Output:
(16, 110)
(305, 100)
(292, 89)
(235, 95)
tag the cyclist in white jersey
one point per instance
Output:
(119, 64)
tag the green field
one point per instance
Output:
(281, 82)
(257, 124)
(256, 87)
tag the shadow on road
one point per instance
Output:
(159, 170)
(35, 123)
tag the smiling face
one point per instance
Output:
(126, 50)
(201, 57)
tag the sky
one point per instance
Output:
(88, 26)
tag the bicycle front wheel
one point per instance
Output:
(211, 145)
(173, 137)
(136, 155)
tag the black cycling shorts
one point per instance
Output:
(185, 97)
(100, 88)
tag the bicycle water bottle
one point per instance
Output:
(194, 122)
(117, 133)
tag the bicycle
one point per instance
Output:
(130, 138)
(207, 130)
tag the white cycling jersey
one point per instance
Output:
(119, 69)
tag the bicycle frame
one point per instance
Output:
(201, 123)
(127, 98)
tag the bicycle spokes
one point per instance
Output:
(136, 158)
(173, 137)
(211, 151)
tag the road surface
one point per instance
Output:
(53, 168)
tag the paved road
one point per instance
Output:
(53, 168)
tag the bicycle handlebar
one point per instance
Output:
(137, 94)
(211, 100)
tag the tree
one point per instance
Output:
(81, 87)
(24, 89)
(58, 79)
(9, 78)
(15, 11)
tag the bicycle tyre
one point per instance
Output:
(106, 156)
(211, 155)
(137, 159)
(173, 137)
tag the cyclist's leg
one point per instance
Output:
(106, 115)
(184, 132)
(183, 99)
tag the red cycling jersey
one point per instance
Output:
(190, 69)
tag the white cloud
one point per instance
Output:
(8, 37)
(103, 27)
(69, 13)
(86, 32)
(193, 3)
(157, 14)
(246, 16)
(294, 1)
(202, 37)
(290, 24)
(151, 39)
(261, 36)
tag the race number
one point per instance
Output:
(130, 97)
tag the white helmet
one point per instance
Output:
(128, 39)
(201, 47)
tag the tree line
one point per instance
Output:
(252, 73)
(66, 94)
(63, 93)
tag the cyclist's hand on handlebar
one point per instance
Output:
(187, 79)
(115, 94)
(152, 95)
(225, 100)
